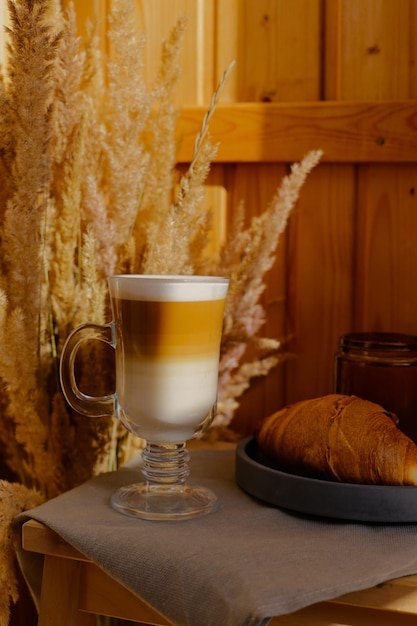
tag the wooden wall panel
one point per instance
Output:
(347, 132)
(157, 18)
(259, 35)
(319, 266)
(255, 185)
(371, 55)
(386, 230)
(256, 34)
(370, 49)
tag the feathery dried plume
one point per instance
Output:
(178, 238)
(246, 257)
(96, 172)
(88, 187)
(95, 165)
(29, 95)
(153, 226)
(126, 161)
(209, 114)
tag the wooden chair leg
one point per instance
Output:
(59, 595)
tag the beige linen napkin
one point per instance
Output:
(235, 567)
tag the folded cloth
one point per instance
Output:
(237, 566)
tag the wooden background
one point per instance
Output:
(333, 74)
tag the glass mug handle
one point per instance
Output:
(93, 406)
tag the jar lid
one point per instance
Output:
(379, 340)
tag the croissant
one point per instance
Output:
(341, 438)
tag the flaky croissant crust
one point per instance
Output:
(341, 438)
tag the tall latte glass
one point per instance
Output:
(166, 332)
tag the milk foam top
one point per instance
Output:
(171, 288)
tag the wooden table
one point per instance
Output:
(75, 590)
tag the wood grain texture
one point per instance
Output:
(386, 267)
(354, 132)
(100, 594)
(333, 614)
(39, 538)
(370, 49)
(255, 34)
(319, 267)
(157, 18)
(59, 597)
(255, 187)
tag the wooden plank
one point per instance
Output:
(319, 267)
(258, 35)
(347, 132)
(370, 49)
(332, 614)
(386, 275)
(156, 19)
(393, 602)
(103, 595)
(399, 595)
(59, 596)
(255, 187)
(39, 538)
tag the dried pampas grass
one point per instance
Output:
(88, 187)
(246, 257)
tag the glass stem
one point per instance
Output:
(165, 465)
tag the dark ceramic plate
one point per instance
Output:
(364, 503)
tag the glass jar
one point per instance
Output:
(381, 367)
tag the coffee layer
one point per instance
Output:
(168, 329)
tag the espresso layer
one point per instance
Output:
(168, 329)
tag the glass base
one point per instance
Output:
(158, 502)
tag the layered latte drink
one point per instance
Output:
(168, 334)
